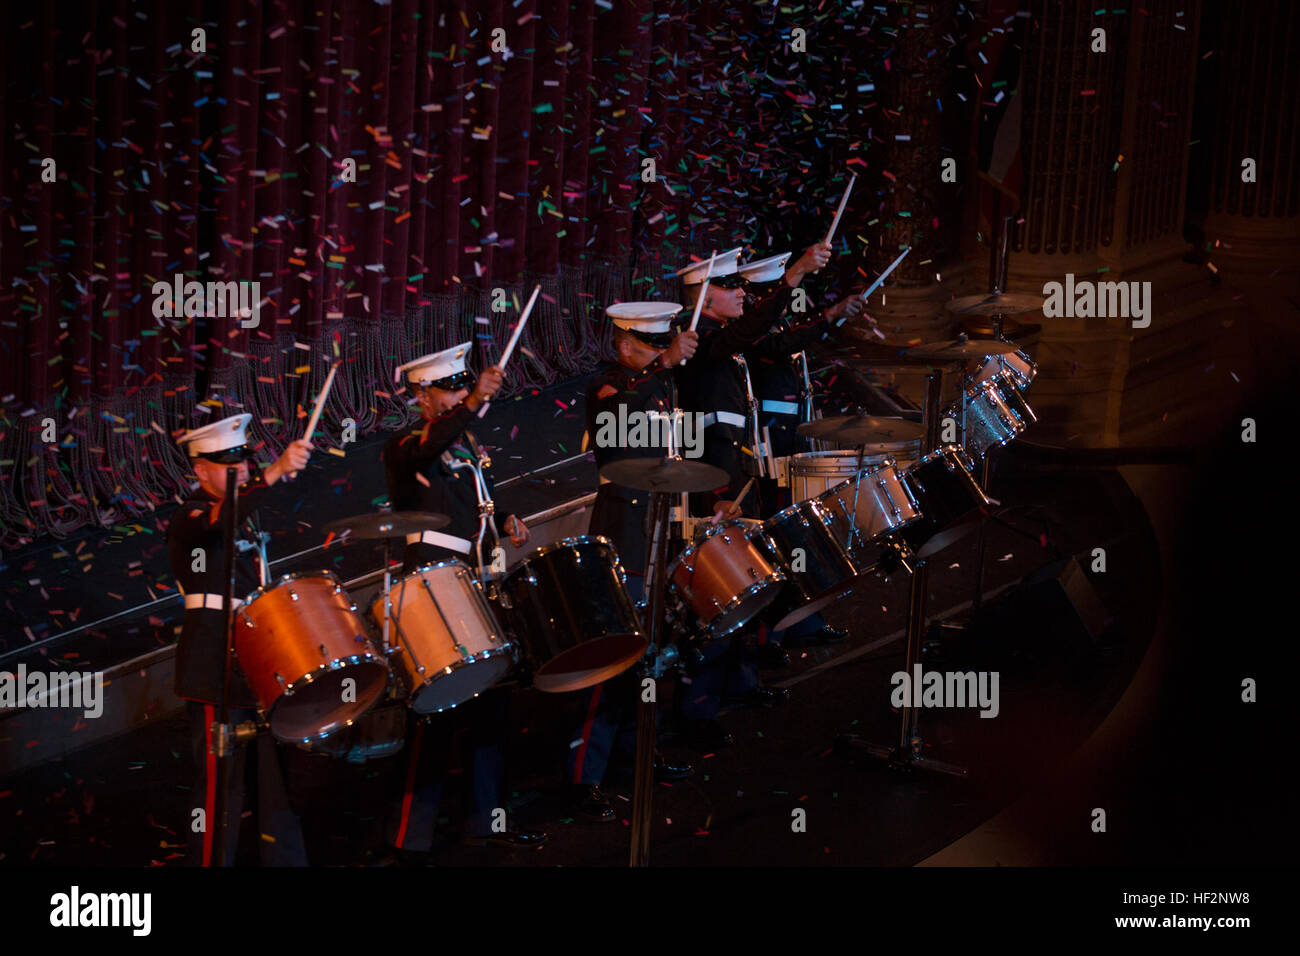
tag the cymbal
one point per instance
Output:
(960, 349)
(388, 524)
(664, 474)
(861, 429)
(981, 327)
(1004, 303)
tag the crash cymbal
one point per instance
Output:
(959, 350)
(388, 524)
(861, 429)
(664, 474)
(1004, 303)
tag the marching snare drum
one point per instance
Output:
(297, 641)
(867, 509)
(801, 540)
(569, 609)
(813, 473)
(724, 579)
(949, 497)
(447, 644)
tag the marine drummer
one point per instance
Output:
(778, 363)
(639, 383)
(430, 466)
(196, 550)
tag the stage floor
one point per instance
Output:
(124, 802)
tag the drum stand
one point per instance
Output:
(906, 753)
(657, 661)
(225, 737)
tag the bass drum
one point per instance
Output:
(298, 640)
(569, 609)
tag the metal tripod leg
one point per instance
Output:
(647, 712)
(906, 753)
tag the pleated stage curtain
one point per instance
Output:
(483, 161)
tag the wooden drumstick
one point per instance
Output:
(514, 338)
(704, 287)
(717, 515)
(830, 234)
(320, 406)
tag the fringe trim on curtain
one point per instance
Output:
(114, 461)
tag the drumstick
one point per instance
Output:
(510, 346)
(830, 234)
(739, 498)
(881, 278)
(320, 406)
(320, 401)
(704, 287)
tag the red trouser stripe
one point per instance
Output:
(586, 733)
(210, 800)
(410, 786)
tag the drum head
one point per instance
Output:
(317, 708)
(590, 663)
(463, 683)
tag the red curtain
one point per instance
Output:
(476, 168)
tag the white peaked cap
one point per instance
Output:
(219, 436)
(435, 367)
(723, 265)
(764, 270)
(648, 317)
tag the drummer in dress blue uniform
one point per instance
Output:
(640, 382)
(780, 375)
(196, 551)
(715, 385)
(418, 464)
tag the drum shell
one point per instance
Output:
(378, 733)
(949, 497)
(814, 473)
(567, 606)
(447, 646)
(297, 640)
(1017, 367)
(723, 580)
(884, 505)
(828, 569)
(989, 421)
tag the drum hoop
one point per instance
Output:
(286, 578)
(564, 543)
(448, 562)
(776, 577)
(943, 451)
(508, 648)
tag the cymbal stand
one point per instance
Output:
(654, 665)
(906, 753)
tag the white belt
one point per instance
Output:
(207, 602)
(781, 408)
(727, 418)
(450, 542)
